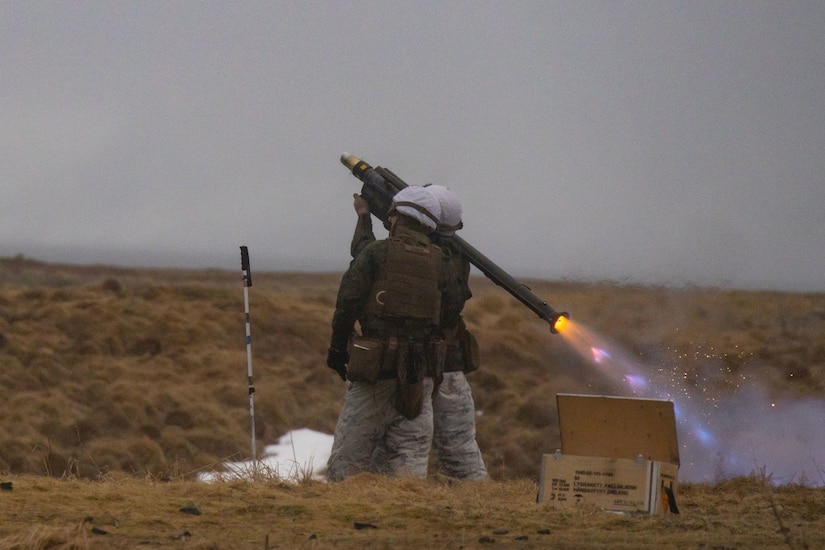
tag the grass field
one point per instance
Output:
(367, 511)
(121, 385)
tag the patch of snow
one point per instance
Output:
(298, 455)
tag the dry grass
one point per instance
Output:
(369, 511)
(120, 385)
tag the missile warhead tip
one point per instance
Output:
(355, 165)
(350, 161)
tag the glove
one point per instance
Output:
(360, 204)
(337, 360)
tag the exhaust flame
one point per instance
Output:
(560, 323)
(721, 434)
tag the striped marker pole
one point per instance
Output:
(247, 282)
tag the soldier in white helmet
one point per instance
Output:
(394, 289)
(454, 414)
(454, 433)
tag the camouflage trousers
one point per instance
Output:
(368, 419)
(454, 429)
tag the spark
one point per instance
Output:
(599, 355)
(636, 381)
(703, 435)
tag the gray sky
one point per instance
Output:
(662, 142)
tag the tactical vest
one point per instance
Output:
(408, 287)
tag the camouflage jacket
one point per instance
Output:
(356, 285)
(459, 273)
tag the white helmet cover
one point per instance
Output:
(450, 220)
(419, 204)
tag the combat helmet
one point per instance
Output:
(419, 204)
(450, 220)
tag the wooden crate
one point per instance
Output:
(615, 484)
(618, 453)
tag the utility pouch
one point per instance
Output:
(469, 349)
(436, 354)
(366, 355)
(389, 367)
(412, 369)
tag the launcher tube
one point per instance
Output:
(381, 185)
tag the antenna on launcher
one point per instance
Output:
(247, 280)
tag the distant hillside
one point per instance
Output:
(144, 370)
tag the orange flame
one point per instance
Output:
(560, 324)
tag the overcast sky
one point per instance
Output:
(662, 142)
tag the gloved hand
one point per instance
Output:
(337, 360)
(360, 204)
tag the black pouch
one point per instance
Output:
(436, 354)
(412, 369)
(469, 349)
(366, 356)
